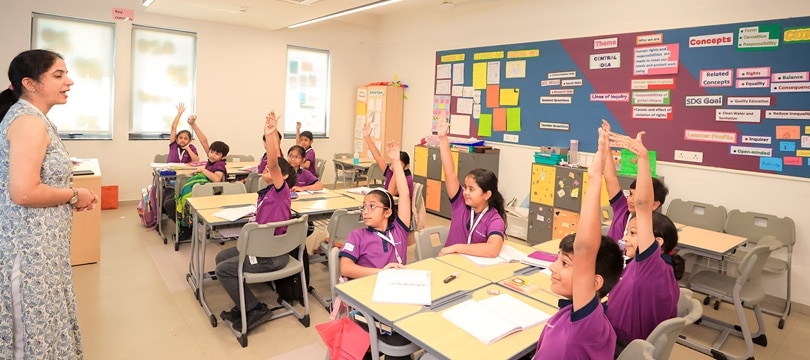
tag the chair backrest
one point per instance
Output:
(693, 213)
(751, 265)
(232, 158)
(688, 308)
(179, 181)
(334, 270)
(375, 174)
(663, 337)
(754, 226)
(161, 158)
(218, 188)
(252, 182)
(637, 350)
(424, 241)
(320, 166)
(342, 223)
(260, 240)
(418, 207)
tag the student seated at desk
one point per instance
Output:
(273, 205)
(648, 291)
(389, 185)
(588, 267)
(304, 139)
(384, 243)
(181, 150)
(624, 207)
(477, 225)
(306, 181)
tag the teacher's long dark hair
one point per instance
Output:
(28, 64)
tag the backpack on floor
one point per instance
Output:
(147, 207)
(289, 288)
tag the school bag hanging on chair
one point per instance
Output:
(147, 207)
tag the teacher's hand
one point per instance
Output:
(87, 200)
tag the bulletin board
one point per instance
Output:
(734, 96)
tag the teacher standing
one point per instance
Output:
(37, 303)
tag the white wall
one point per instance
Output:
(408, 43)
(240, 74)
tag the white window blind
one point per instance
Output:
(307, 96)
(88, 48)
(163, 74)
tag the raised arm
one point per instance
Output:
(272, 145)
(373, 147)
(404, 203)
(297, 133)
(643, 195)
(450, 176)
(611, 179)
(589, 231)
(180, 109)
(192, 120)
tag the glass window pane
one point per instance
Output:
(163, 74)
(307, 96)
(88, 49)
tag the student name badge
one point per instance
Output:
(252, 260)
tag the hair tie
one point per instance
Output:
(11, 87)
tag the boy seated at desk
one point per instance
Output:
(588, 267)
(273, 205)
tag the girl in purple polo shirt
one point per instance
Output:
(389, 185)
(477, 225)
(306, 181)
(587, 268)
(180, 148)
(648, 292)
(384, 243)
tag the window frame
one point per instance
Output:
(292, 94)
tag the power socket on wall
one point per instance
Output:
(690, 156)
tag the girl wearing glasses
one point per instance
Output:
(306, 181)
(384, 243)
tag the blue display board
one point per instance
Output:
(733, 96)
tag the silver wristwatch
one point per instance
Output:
(73, 200)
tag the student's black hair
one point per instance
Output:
(609, 261)
(287, 169)
(280, 137)
(488, 181)
(220, 147)
(405, 158)
(299, 149)
(664, 228)
(27, 64)
(660, 191)
(387, 200)
(307, 134)
(184, 131)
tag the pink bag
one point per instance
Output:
(344, 338)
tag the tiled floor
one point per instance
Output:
(134, 304)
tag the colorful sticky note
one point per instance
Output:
(770, 163)
(493, 95)
(509, 97)
(787, 146)
(479, 75)
(787, 132)
(793, 160)
(499, 119)
(513, 119)
(485, 125)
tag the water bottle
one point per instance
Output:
(356, 159)
(573, 151)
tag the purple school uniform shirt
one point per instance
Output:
(389, 174)
(366, 248)
(646, 295)
(310, 155)
(217, 166)
(178, 155)
(491, 223)
(263, 162)
(274, 205)
(573, 335)
(621, 215)
(305, 178)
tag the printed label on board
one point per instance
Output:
(572, 82)
(655, 97)
(554, 126)
(656, 60)
(794, 35)
(652, 112)
(754, 72)
(725, 39)
(762, 37)
(752, 83)
(606, 61)
(716, 78)
(562, 74)
(750, 151)
(550, 82)
(710, 136)
(704, 100)
(619, 97)
(791, 76)
(561, 92)
(746, 116)
(788, 114)
(790, 87)
(555, 99)
(652, 84)
(606, 43)
(749, 100)
(650, 39)
(770, 164)
(754, 139)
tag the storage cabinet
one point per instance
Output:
(85, 243)
(385, 103)
(428, 170)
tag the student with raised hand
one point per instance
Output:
(263, 160)
(389, 185)
(588, 266)
(648, 292)
(624, 207)
(477, 226)
(181, 150)
(306, 181)
(272, 205)
(384, 243)
(214, 169)
(304, 139)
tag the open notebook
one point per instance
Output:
(402, 286)
(236, 213)
(494, 318)
(511, 254)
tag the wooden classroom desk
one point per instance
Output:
(551, 246)
(85, 232)
(438, 336)
(707, 243)
(220, 201)
(361, 165)
(493, 273)
(319, 205)
(542, 288)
